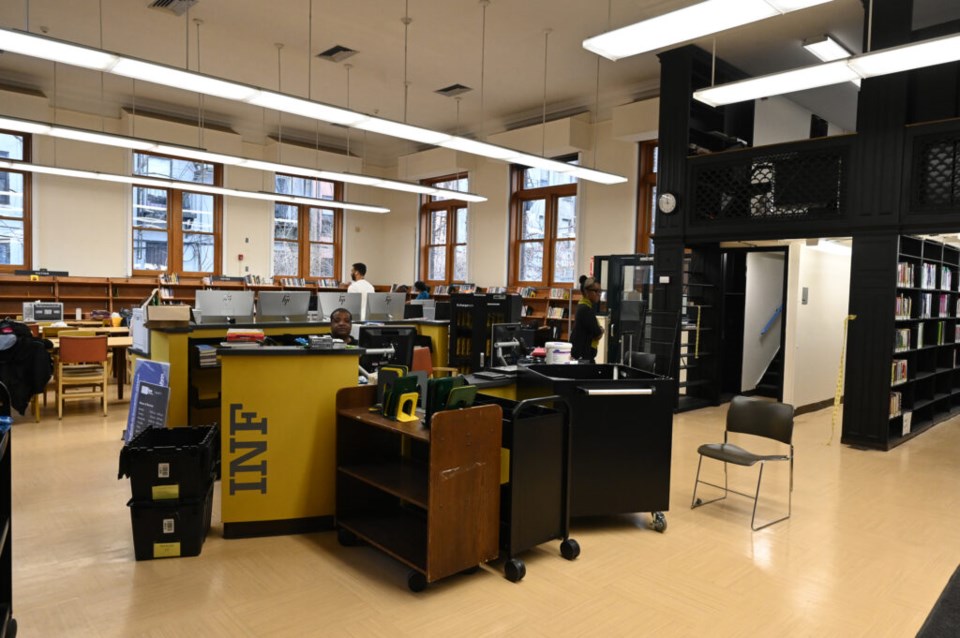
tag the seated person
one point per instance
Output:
(341, 322)
(423, 290)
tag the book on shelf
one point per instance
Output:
(528, 292)
(559, 293)
(898, 371)
(169, 278)
(904, 307)
(905, 275)
(441, 290)
(926, 304)
(245, 334)
(941, 329)
(327, 282)
(907, 421)
(928, 276)
(920, 335)
(902, 340)
(942, 310)
(497, 290)
(946, 278)
(165, 293)
(896, 400)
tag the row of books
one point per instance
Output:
(207, 355)
(905, 274)
(896, 404)
(898, 371)
(169, 278)
(904, 307)
(901, 341)
(243, 338)
(557, 312)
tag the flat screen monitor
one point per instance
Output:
(224, 306)
(412, 311)
(283, 305)
(515, 340)
(385, 306)
(401, 338)
(327, 302)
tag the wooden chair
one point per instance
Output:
(82, 370)
(423, 360)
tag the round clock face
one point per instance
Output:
(667, 203)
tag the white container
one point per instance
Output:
(558, 352)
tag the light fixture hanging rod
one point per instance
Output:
(14, 41)
(107, 139)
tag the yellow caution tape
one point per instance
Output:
(839, 393)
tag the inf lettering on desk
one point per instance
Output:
(246, 473)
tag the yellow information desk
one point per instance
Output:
(173, 346)
(278, 438)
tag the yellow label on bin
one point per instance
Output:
(166, 550)
(164, 492)
(504, 466)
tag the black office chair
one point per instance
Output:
(646, 361)
(767, 419)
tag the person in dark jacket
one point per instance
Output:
(586, 329)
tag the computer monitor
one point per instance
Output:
(385, 306)
(327, 302)
(224, 306)
(509, 342)
(283, 305)
(412, 311)
(400, 337)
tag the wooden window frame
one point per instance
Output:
(551, 195)
(452, 207)
(303, 235)
(27, 218)
(175, 230)
(646, 185)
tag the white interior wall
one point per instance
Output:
(778, 119)
(815, 330)
(764, 294)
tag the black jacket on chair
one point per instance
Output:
(25, 366)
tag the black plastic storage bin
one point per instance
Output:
(164, 529)
(171, 463)
(621, 421)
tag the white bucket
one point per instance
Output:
(558, 351)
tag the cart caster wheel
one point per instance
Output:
(416, 581)
(698, 502)
(570, 549)
(659, 522)
(347, 538)
(514, 570)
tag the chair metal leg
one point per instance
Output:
(697, 482)
(756, 499)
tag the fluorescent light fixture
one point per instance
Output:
(690, 23)
(152, 182)
(405, 131)
(907, 57)
(866, 65)
(46, 48)
(108, 139)
(826, 49)
(801, 79)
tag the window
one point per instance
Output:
(647, 196)
(306, 239)
(14, 205)
(543, 227)
(176, 230)
(444, 232)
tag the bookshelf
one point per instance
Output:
(552, 307)
(924, 378)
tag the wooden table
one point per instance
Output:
(117, 345)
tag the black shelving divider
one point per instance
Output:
(470, 319)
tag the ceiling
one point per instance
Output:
(442, 45)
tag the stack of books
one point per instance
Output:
(243, 338)
(207, 355)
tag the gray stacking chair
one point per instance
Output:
(756, 417)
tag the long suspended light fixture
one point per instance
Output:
(866, 65)
(690, 23)
(42, 47)
(108, 139)
(153, 182)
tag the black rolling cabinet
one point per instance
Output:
(8, 626)
(470, 319)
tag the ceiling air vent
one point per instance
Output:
(453, 90)
(177, 7)
(336, 53)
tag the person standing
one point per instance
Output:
(358, 272)
(586, 329)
